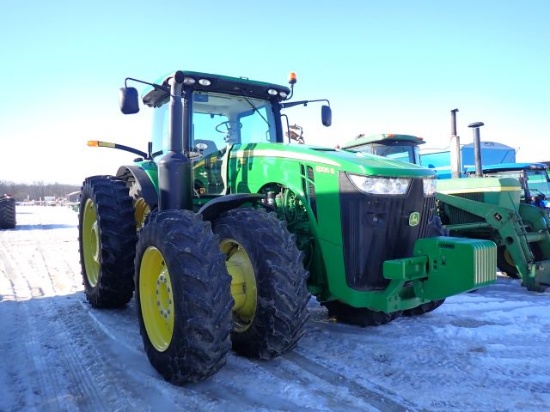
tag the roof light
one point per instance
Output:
(205, 82)
(188, 81)
(292, 78)
(283, 94)
(272, 92)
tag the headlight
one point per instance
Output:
(381, 185)
(430, 186)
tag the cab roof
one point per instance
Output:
(506, 167)
(234, 85)
(361, 139)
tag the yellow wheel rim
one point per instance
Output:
(141, 210)
(508, 258)
(90, 242)
(243, 284)
(156, 299)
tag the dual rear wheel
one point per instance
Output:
(201, 289)
(201, 292)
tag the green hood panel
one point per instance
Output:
(358, 163)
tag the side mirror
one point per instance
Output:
(129, 100)
(326, 115)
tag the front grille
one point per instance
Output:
(454, 215)
(376, 228)
(485, 263)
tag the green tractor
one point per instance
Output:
(499, 207)
(7, 212)
(224, 230)
(505, 203)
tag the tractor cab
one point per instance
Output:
(216, 116)
(220, 119)
(394, 146)
(533, 178)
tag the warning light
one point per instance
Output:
(292, 78)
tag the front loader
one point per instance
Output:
(224, 229)
(499, 209)
(504, 203)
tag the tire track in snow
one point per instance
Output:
(377, 397)
(56, 391)
(84, 350)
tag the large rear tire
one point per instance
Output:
(268, 282)
(183, 296)
(107, 241)
(345, 313)
(7, 212)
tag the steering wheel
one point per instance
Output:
(230, 126)
(539, 198)
(539, 193)
(227, 125)
(232, 131)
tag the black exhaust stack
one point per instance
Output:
(456, 158)
(174, 168)
(477, 148)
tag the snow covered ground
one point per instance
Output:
(482, 351)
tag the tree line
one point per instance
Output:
(37, 191)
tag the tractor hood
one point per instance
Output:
(340, 160)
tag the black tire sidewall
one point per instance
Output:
(201, 292)
(117, 233)
(281, 282)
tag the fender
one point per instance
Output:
(211, 210)
(142, 186)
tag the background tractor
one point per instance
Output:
(500, 208)
(533, 178)
(402, 147)
(224, 229)
(7, 212)
(505, 203)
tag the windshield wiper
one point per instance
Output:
(245, 95)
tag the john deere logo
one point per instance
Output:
(414, 219)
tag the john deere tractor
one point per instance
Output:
(224, 230)
(506, 203)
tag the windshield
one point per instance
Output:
(536, 180)
(220, 119)
(400, 151)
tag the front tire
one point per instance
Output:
(424, 308)
(345, 313)
(107, 240)
(183, 296)
(268, 282)
(505, 263)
